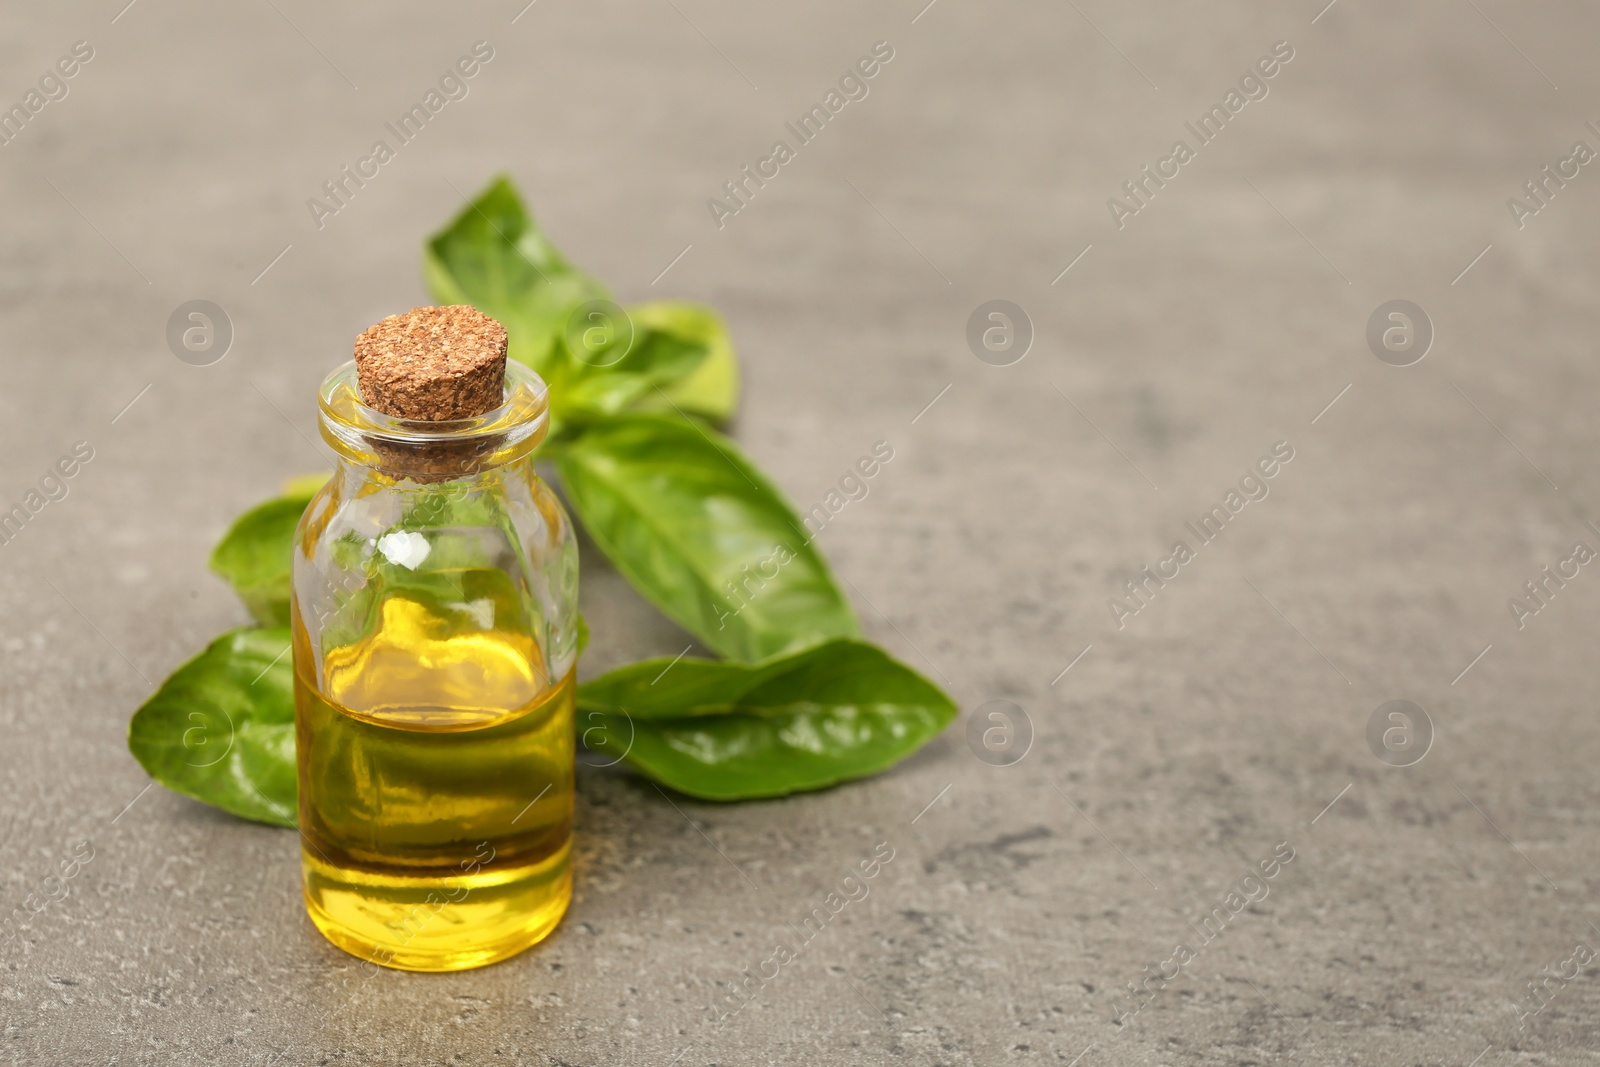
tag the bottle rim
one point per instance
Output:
(436, 450)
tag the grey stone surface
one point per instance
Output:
(1229, 715)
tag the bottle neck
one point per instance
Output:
(430, 477)
(431, 453)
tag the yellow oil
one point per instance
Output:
(436, 776)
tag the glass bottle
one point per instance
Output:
(434, 633)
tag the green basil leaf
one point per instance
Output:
(306, 485)
(728, 731)
(254, 555)
(221, 729)
(713, 389)
(654, 359)
(493, 256)
(703, 536)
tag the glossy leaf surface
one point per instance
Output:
(712, 389)
(493, 256)
(729, 731)
(254, 555)
(703, 536)
(221, 728)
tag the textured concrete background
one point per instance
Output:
(1177, 752)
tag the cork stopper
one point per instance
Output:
(433, 364)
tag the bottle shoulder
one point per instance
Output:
(367, 505)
